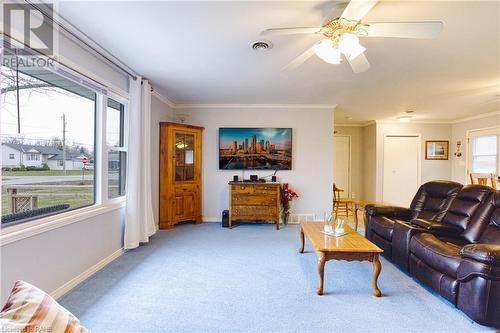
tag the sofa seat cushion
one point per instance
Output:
(384, 226)
(442, 256)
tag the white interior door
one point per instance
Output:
(401, 169)
(342, 171)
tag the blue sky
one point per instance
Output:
(281, 137)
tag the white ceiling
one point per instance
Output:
(198, 53)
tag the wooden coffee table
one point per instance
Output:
(350, 247)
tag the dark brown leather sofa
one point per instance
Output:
(431, 203)
(458, 255)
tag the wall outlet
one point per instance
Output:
(353, 195)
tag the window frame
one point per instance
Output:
(471, 135)
(124, 122)
(102, 204)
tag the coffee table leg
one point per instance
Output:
(377, 267)
(321, 272)
(301, 250)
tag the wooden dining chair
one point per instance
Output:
(482, 179)
(341, 206)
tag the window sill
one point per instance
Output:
(18, 232)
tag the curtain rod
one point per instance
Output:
(120, 66)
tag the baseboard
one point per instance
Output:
(212, 219)
(65, 288)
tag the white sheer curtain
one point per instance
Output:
(139, 220)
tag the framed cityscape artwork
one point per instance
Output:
(255, 148)
(436, 150)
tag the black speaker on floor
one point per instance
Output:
(225, 219)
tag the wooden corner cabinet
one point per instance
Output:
(180, 174)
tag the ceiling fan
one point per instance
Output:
(341, 35)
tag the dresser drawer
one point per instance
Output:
(254, 199)
(267, 189)
(242, 189)
(255, 211)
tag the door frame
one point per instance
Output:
(419, 157)
(349, 166)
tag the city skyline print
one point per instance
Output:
(255, 148)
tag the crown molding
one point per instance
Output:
(165, 100)
(428, 122)
(355, 125)
(479, 116)
(176, 106)
(255, 106)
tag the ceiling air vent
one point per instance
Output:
(261, 45)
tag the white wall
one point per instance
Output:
(312, 164)
(159, 112)
(51, 259)
(459, 133)
(430, 169)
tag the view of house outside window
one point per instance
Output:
(47, 141)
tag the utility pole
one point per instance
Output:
(64, 143)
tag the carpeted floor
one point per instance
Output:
(203, 278)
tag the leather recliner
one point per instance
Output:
(462, 260)
(430, 203)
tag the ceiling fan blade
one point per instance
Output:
(429, 29)
(359, 64)
(357, 9)
(291, 31)
(300, 59)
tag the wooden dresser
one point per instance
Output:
(254, 202)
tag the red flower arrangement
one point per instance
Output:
(287, 195)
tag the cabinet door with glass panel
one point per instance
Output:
(180, 174)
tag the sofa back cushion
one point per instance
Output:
(433, 200)
(491, 233)
(466, 204)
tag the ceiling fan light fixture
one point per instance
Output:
(349, 45)
(326, 50)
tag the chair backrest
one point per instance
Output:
(483, 178)
(471, 199)
(433, 199)
(336, 193)
(490, 233)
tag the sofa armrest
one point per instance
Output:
(389, 211)
(485, 253)
(436, 227)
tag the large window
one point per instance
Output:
(117, 152)
(49, 121)
(484, 151)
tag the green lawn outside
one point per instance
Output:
(74, 196)
(47, 173)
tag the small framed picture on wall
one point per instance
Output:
(436, 150)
